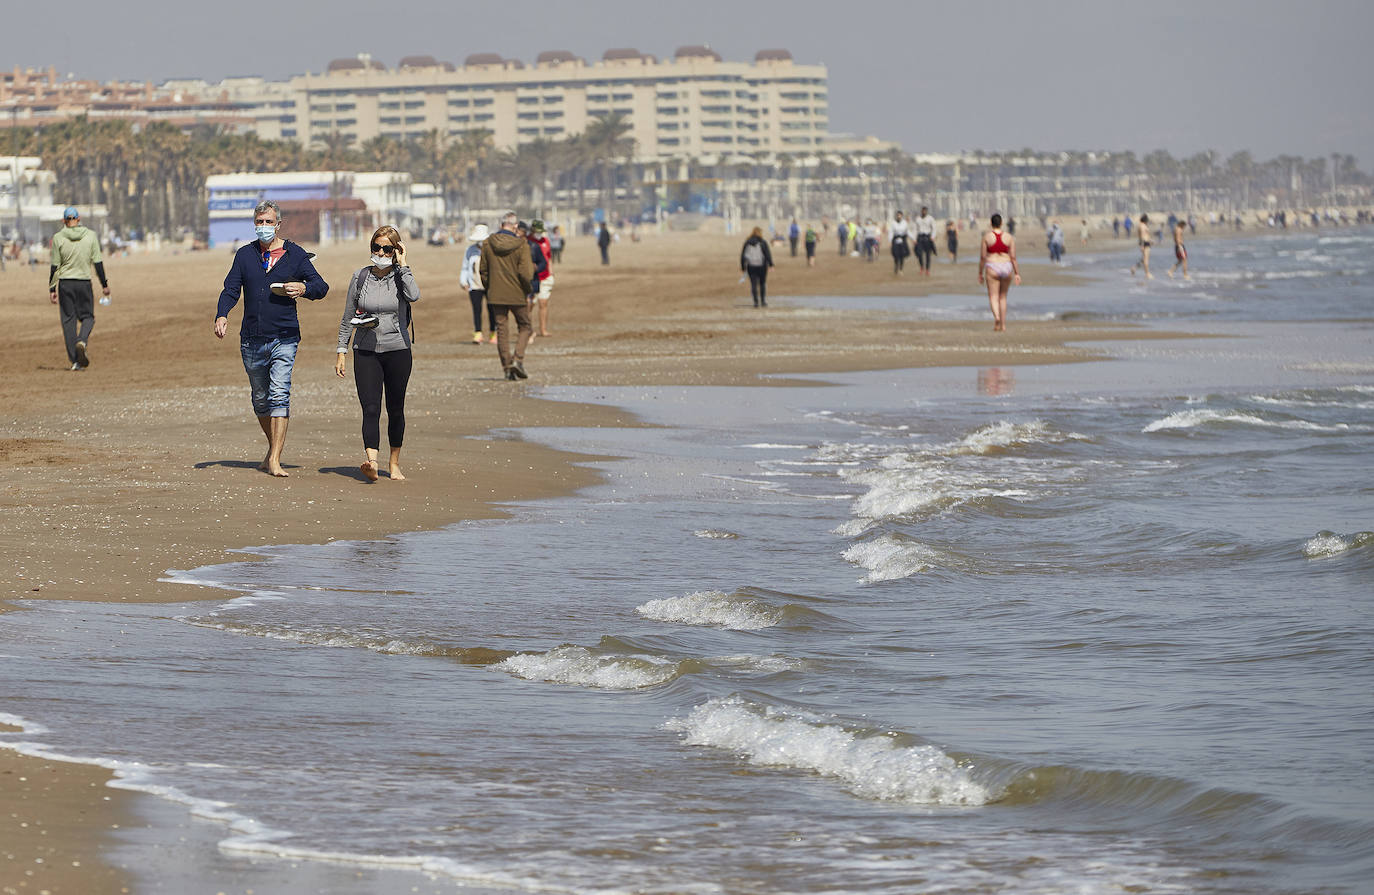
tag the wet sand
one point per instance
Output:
(146, 461)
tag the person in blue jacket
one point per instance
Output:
(270, 273)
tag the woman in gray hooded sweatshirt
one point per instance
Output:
(377, 318)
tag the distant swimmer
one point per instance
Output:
(1143, 233)
(1180, 251)
(997, 264)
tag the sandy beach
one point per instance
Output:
(145, 462)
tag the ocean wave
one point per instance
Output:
(1004, 434)
(377, 643)
(715, 534)
(1189, 419)
(1328, 543)
(578, 665)
(872, 766)
(889, 558)
(714, 608)
(906, 485)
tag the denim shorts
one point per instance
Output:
(268, 361)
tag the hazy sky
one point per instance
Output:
(1183, 75)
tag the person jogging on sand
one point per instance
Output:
(75, 251)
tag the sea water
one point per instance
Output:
(1095, 627)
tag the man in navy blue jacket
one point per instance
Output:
(271, 274)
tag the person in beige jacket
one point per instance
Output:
(506, 269)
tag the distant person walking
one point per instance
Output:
(901, 242)
(794, 236)
(925, 239)
(271, 274)
(1180, 251)
(754, 260)
(952, 241)
(1143, 234)
(556, 244)
(603, 241)
(507, 270)
(75, 251)
(471, 280)
(377, 318)
(997, 266)
(842, 232)
(811, 238)
(544, 273)
(1084, 234)
(1055, 239)
(1116, 227)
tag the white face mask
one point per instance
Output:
(381, 261)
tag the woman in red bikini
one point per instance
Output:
(997, 264)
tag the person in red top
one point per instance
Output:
(537, 236)
(997, 266)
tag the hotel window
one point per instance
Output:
(483, 101)
(669, 141)
(460, 103)
(552, 99)
(483, 116)
(529, 131)
(323, 125)
(389, 105)
(716, 110)
(415, 104)
(346, 122)
(718, 139)
(415, 119)
(395, 119)
(527, 100)
(622, 97)
(597, 98)
(322, 108)
(626, 113)
(527, 116)
(668, 125)
(551, 115)
(667, 110)
(552, 131)
(459, 119)
(288, 132)
(345, 107)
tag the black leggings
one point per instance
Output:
(371, 371)
(758, 284)
(477, 296)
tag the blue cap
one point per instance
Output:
(70, 212)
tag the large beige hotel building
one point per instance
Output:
(695, 104)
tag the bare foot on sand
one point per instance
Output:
(395, 474)
(277, 471)
(369, 470)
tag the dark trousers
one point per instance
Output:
(793, 240)
(477, 296)
(758, 284)
(523, 328)
(925, 247)
(76, 302)
(606, 254)
(376, 373)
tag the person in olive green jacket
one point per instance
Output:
(507, 270)
(75, 250)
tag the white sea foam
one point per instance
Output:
(1004, 434)
(906, 484)
(766, 445)
(715, 534)
(872, 767)
(712, 607)
(1328, 543)
(1189, 419)
(578, 665)
(888, 558)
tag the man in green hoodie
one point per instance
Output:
(75, 250)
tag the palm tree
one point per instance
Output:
(606, 143)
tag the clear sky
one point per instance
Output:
(1271, 76)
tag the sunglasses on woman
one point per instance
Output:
(385, 250)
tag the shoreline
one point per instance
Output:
(114, 525)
